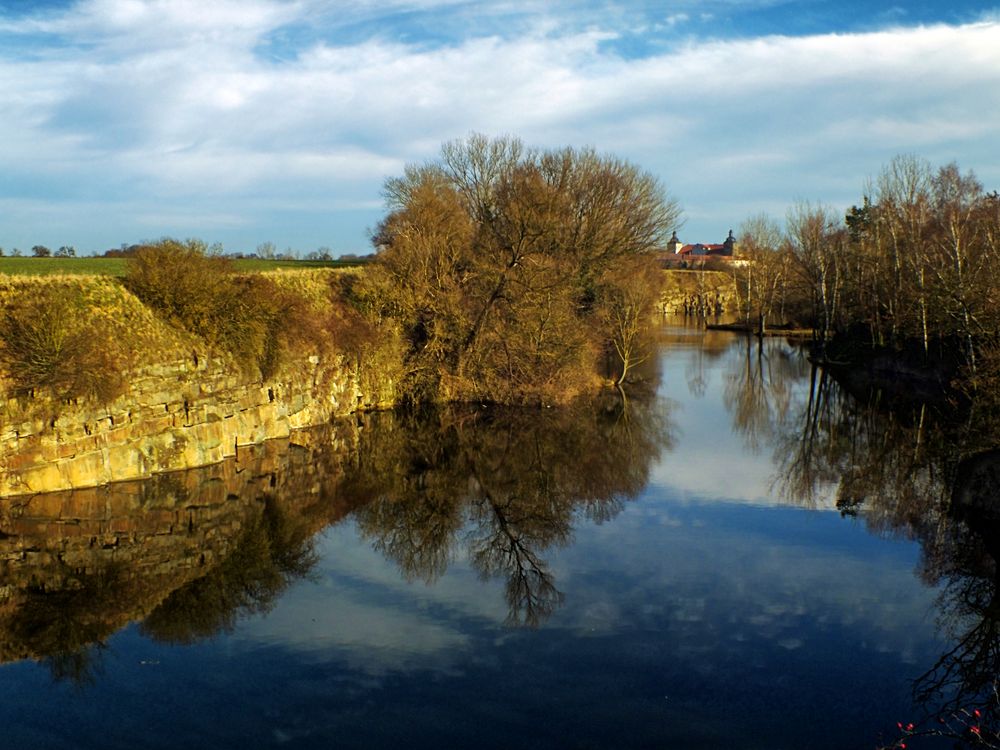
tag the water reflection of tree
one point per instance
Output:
(889, 463)
(68, 628)
(186, 554)
(759, 386)
(919, 472)
(65, 627)
(192, 553)
(963, 558)
(959, 692)
(271, 552)
(514, 480)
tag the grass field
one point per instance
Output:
(116, 266)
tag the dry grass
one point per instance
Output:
(79, 336)
(258, 319)
(50, 340)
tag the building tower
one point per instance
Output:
(730, 244)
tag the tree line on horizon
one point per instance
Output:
(263, 251)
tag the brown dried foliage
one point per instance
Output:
(493, 262)
(48, 342)
(257, 321)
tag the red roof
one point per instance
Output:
(687, 249)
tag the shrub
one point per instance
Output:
(183, 284)
(270, 322)
(47, 341)
(253, 318)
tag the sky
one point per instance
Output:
(250, 121)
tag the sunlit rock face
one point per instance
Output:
(174, 416)
(698, 293)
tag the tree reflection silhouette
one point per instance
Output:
(963, 558)
(505, 485)
(269, 554)
(189, 554)
(66, 628)
(185, 554)
(922, 473)
(758, 387)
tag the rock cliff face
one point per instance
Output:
(698, 293)
(177, 415)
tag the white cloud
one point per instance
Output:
(177, 99)
(133, 25)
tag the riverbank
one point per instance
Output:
(789, 332)
(133, 395)
(167, 398)
(697, 293)
(903, 375)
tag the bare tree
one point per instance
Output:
(962, 267)
(765, 275)
(817, 244)
(493, 259)
(628, 297)
(267, 250)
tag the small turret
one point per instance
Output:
(730, 244)
(674, 245)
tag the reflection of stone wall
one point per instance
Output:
(110, 555)
(176, 416)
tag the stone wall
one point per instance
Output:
(698, 293)
(184, 411)
(175, 415)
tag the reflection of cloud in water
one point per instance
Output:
(387, 639)
(727, 434)
(694, 579)
(361, 610)
(696, 473)
(703, 473)
(719, 580)
(599, 618)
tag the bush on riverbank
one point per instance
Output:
(79, 336)
(48, 341)
(253, 318)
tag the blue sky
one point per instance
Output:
(244, 121)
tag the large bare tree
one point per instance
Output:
(499, 262)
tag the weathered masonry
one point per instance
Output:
(175, 416)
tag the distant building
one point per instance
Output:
(679, 255)
(675, 245)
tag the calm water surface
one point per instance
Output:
(746, 558)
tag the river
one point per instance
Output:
(742, 556)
